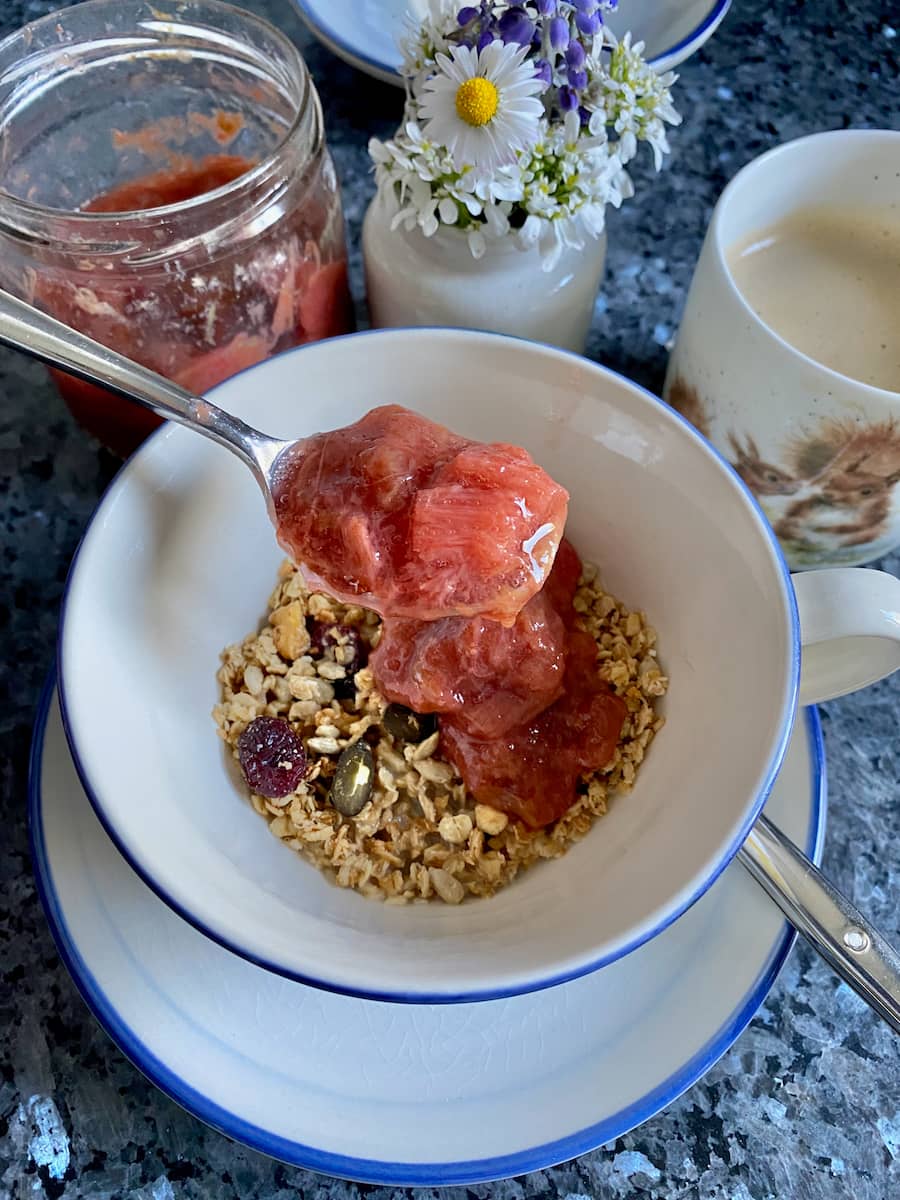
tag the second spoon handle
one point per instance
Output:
(862, 956)
(28, 329)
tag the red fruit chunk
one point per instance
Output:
(398, 513)
(532, 771)
(491, 676)
(563, 580)
(272, 757)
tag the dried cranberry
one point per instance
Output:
(344, 642)
(272, 757)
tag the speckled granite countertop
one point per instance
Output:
(807, 1103)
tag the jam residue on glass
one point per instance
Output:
(172, 185)
(200, 326)
(458, 545)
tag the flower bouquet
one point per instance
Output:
(519, 123)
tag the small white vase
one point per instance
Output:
(415, 280)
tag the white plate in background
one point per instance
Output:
(364, 32)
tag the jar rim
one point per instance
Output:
(247, 180)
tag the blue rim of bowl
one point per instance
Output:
(311, 16)
(531, 985)
(372, 1170)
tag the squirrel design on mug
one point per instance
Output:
(838, 490)
(763, 478)
(773, 486)
(834, 487)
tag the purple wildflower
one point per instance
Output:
(546, 7)
(559, 33)
(585, 6)
(575, 56)
(567, 99)
(578, 80)
(543, 71)
(485, 38)
(589, 23)
(516, 26)
(467, 14)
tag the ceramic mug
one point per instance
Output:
(181, 556)
(820, 450)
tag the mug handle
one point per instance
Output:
(850, 630)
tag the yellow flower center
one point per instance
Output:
(476, 100)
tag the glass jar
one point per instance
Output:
(166, 189)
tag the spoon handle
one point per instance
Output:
(861, 955)
(26, 328)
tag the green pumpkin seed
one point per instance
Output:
(351, 786)
(408, 726)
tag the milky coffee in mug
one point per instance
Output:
(788, 357)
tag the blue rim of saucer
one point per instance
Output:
(537, 983)
(311, 15)
(373, 1171)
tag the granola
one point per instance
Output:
(421, 836)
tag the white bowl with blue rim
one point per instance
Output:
(365, 35)
(180, 558)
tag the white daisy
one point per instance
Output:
(483, 106)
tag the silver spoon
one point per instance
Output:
(857, 952)
(27, 328)
(862, 956)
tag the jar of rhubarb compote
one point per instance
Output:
(166, 189)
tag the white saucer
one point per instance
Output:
(397, 1094)
(364, 32)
